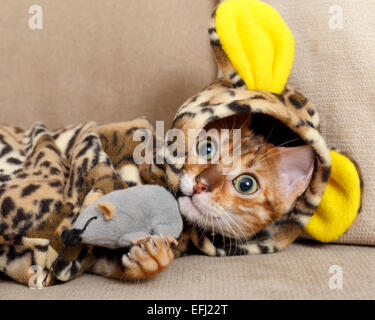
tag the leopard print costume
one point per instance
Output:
(46, 177)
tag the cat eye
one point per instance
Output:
(207, 149)
(246, 184)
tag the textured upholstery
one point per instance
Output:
(299, 272)
(335, 68)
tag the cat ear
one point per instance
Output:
(296, 166)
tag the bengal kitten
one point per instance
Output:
(238, 204)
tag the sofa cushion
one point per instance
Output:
(335, 69)
(302, 271)
(102, 60)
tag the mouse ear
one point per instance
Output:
(252, 45)
(340, 203)
(108, 209)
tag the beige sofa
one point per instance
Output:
(108, 60)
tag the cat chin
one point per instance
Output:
(196, 212)
(192, 213)
(189, 210)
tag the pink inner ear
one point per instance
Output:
(296, 168)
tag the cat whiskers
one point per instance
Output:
(269, 136)
(205, 227)
(228, 222)
(266, 155)
(234, 123)
(221, 231)
(244, 239)
(222, 222)
(260, 147)
(227, 226)
(225, 122)
(245, 122)
(213, 229)
(238, 241)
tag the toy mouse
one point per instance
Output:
(129, 216)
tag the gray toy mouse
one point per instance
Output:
(130, 216)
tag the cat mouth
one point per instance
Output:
(205, 219)
(190, 210)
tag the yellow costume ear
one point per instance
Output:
(340, 203)
(257, 42)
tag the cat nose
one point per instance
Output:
(200, 186)
(208, 180)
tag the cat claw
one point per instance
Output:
(147, 259)
(170, 239)
(141, 240)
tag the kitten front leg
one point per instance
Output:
(275, 239)
(274, 242)
(142, 261)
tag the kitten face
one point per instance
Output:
(240, 203)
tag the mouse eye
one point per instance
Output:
(207, 149)
(246, 184)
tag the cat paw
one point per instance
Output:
(149, 258)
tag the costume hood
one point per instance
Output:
(254, 50)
